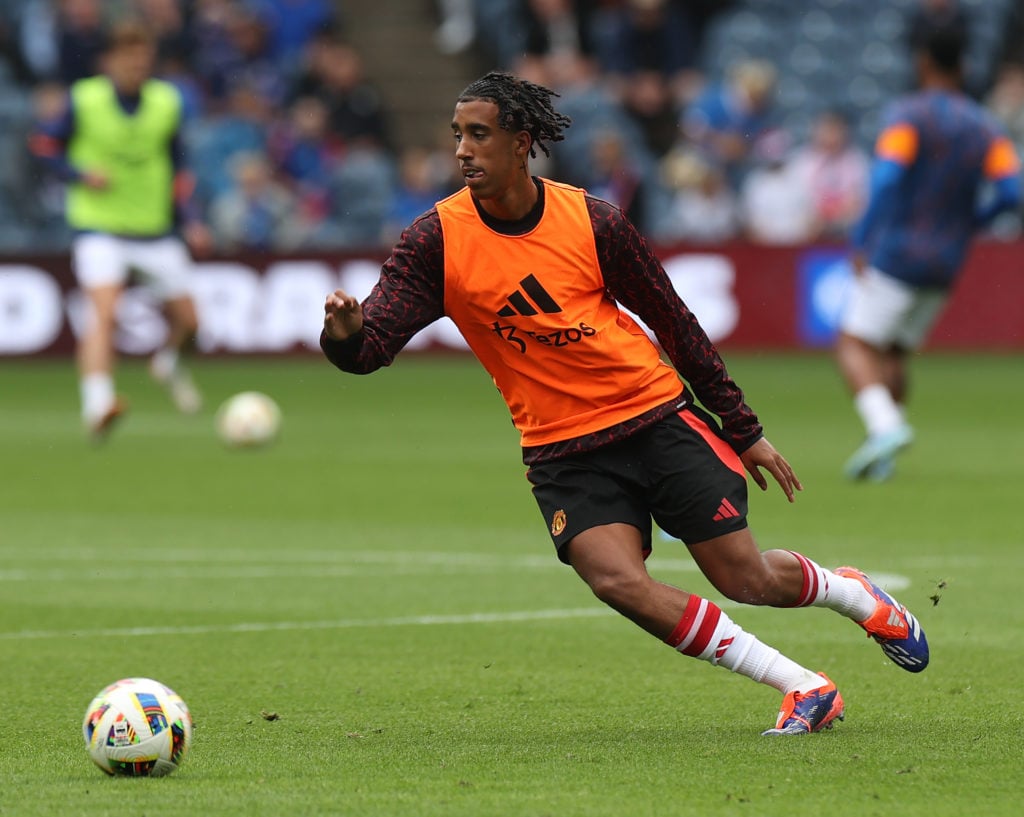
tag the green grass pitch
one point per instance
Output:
(381, 580)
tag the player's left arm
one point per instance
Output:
(48, 142)
(636, 279)
(1002, 171)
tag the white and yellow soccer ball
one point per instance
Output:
(248, 419)
(137, 727)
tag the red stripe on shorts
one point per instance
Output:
(721, 448)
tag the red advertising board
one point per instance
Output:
(746, 296)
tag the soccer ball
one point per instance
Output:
(248, 419)
(137, 727)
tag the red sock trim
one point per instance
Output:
(693, 633)
(809, 590)
(679, 633)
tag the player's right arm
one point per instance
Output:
(48, 142)
(409, 295)
(343, 316)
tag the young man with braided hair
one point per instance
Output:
(533, 272)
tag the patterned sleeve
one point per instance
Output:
(408, 296)
(636, 279)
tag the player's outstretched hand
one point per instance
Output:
(762, 454)
(343, 315)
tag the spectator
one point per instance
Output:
(728, 119)
(216, 139)
(214, 52)
(251, 61)
(648, 101)
(13, 42)
(776, 207)
(80, 38)
(362, 191)
(1006, 101)
(614, 176)
(834, 171)
(335, 75)
(702, 12)
(648, 35)
(419, 187)
(593, 109)
(42, 193)
(552, 29)
(173, 67)
(499, 31)
(1012, 46)
(457, 30)
(308, 156)
(293, 24)
(166, 19)
(702, 207)
(257, 213)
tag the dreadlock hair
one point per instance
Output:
(522, 105)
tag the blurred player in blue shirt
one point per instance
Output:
(943, 170)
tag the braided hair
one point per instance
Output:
(522, 105)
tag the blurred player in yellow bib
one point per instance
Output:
(118, 148)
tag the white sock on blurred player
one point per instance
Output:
(97, 393)
(878, 411)
(164, 364)
(166, 368)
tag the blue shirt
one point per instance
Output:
(937, 154)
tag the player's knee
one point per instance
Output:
(618, 590)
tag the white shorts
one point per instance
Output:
(163, 264)
(884, 311)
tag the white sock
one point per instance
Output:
(751, 657)
(823, 588)
(877, 410)
(164, 362)
(97, 393)
(707, 633)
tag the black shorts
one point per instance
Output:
(680, 472)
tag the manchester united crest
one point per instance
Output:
(558, 522)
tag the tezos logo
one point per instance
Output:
(531, 299)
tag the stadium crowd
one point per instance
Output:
(293, 147)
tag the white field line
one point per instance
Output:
(283, 556)
(199, 564)
(340, 624)
(241, 572)
(240, 564)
